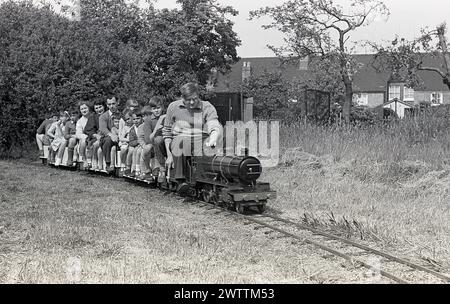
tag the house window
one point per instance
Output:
(408, 94)
(362, 99)
(394, 92)
(436, 98)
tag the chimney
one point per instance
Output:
(303, 64)
(246, 70)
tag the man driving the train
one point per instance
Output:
(190, 123)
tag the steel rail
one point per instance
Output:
(363, 247)
(324, 247)
(308, 241)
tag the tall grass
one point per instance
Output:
(386, 181)
(425, 138)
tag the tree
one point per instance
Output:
(187, 44)
(406, 57)
(320, 29)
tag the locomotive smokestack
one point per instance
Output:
(244, 151)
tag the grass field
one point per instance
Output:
(379, 186)
(68, 227)
(389, 185)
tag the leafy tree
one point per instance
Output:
(186, 44)
(406, 57)
(321, 29)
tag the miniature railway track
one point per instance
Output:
(281, 225)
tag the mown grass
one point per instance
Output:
(66, 227)
(389, 183)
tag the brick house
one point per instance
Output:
(371, 88)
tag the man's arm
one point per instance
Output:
(41, 129)
(67, 132)
(168, 135)
(51, 130)
(213, 126)
(103, 125)
(141, 135)
(159, 125)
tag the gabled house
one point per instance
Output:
(371, 88)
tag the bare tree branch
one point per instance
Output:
(424, 68)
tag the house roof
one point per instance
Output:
(367, 79)
(233, 79)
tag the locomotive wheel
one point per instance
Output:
(239, 208)
(262, 208)
(210, 197)
(206, 197)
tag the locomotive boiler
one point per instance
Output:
(230, 181)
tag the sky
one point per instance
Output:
(406, 19)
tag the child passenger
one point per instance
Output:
(124, 132)
(130, 106)
(70, 137)
(93, 136)
(156, 137)
(56, 133)
(115, 138)
(144, 131)
(115, 129)
(41, 133)
(134, 150)
(153, 142)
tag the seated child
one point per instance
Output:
(130, 106)
(41, 133)
(56, 133)
(115, 137)
(70, 137)
(134, 150)
(154, 147)
(156, 138)
(124, 131)
(144, 131)
(93, 136)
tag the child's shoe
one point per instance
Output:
(148, 177)
(110, 169)
(155, 172)
(86, 165)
